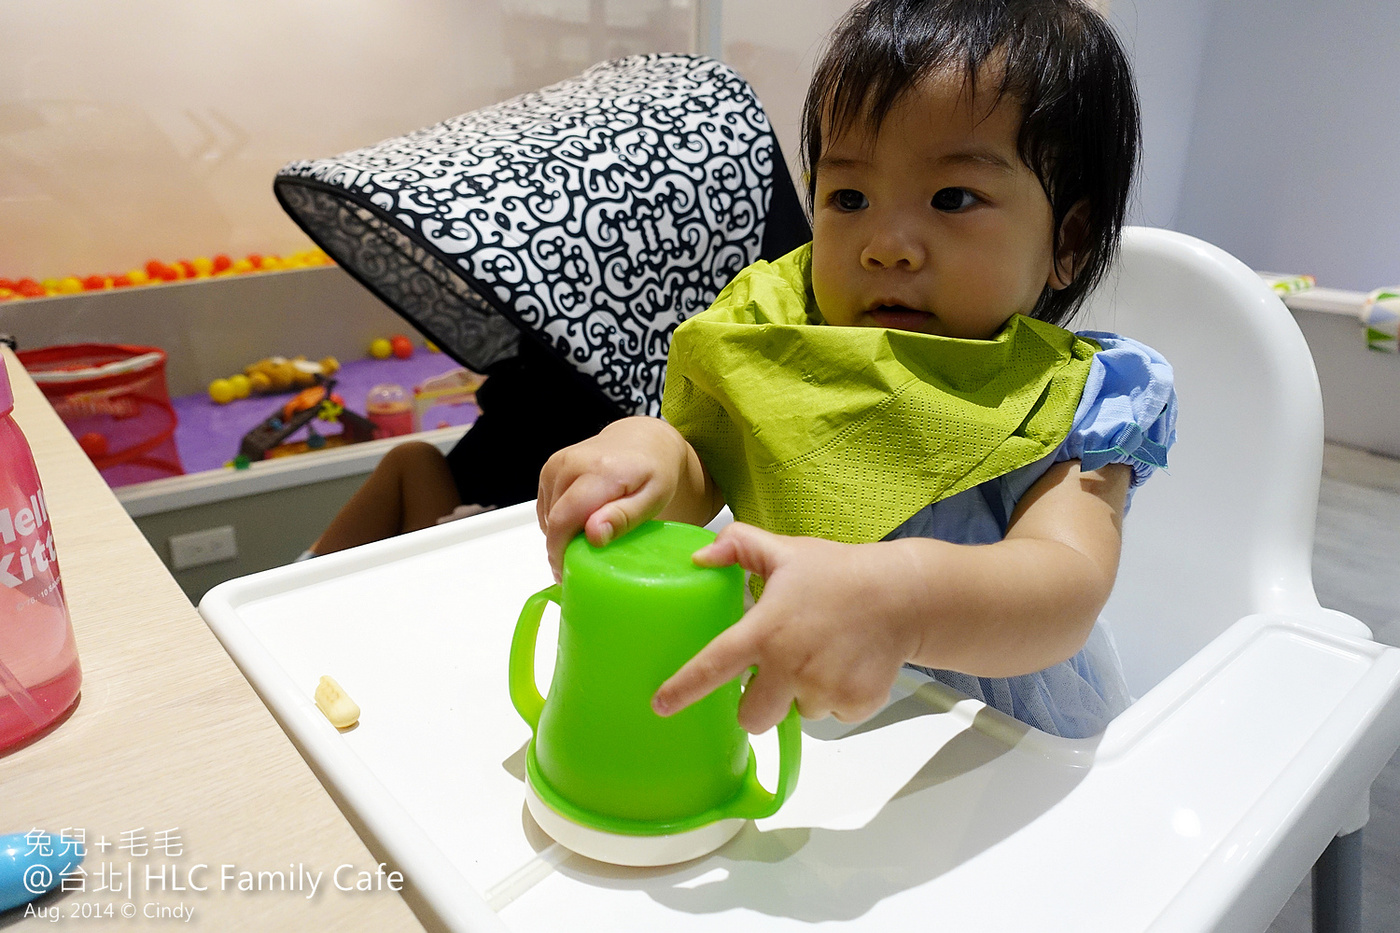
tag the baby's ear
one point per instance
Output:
(1071, 254)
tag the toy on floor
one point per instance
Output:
(381, 348)
(457, 387)
(273, 374)
(388, 408)
(267, 440)
(1380, 313)
(113, 398)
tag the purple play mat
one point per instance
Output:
(207, 434)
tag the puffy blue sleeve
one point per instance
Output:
(1128, 411)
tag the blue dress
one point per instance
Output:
(1127, 414)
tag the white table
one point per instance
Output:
(938, 810)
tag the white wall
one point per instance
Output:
(152, 129)
(1166, 42)
(1293, 161)
(775, 45)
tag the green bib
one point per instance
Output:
(845, 432)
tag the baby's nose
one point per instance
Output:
(894, 248)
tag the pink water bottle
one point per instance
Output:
(39, 672)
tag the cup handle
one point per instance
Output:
(754, 802)
(524, 693)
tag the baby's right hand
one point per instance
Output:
(611, 483)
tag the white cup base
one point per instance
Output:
(622, 849)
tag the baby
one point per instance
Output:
(926, 469)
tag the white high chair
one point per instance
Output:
(1216, 580)
(1262, 722)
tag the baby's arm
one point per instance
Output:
(631, 471)
(836, 621)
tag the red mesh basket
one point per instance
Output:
(115, 401)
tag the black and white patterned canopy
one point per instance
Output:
(593, 215)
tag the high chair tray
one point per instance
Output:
(936, 808)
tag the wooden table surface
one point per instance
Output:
(169, 758)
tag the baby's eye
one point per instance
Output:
(954, 199)
(849, 199)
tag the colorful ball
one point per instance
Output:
(93, 444)
(222, 391)
(401, 345)
(380, 349)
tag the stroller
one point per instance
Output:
(554, 241)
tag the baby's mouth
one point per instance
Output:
(898, 317)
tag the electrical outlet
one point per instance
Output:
(202, 547)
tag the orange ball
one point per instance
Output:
(93, 444)
(401, 346)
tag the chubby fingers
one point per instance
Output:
(726, 657)
(602, 507)
(806, 637)
(754, 549)
(768, 696)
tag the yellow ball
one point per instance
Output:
(222, 391)
(203, 265)
(380, 348)
(241, 386)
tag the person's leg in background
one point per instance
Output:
(411, 488)
(531, 405)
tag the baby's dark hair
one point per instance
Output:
(1080, 130)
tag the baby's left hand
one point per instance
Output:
(823, 634)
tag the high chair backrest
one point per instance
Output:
(1226, 530)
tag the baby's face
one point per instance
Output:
(935, 225)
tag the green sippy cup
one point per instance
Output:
(607, 777)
